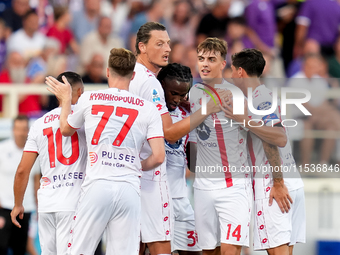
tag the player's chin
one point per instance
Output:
(163, 63)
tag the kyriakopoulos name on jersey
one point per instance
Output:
(111, 97)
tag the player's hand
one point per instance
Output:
(17, 210)
(62, 91)
(228, 109)
(213, 107)
(280, 193)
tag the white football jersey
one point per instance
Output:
(146, 85)
(176, 162)
(62, 162)
(117, 124)
(221, 147)
(262, 177)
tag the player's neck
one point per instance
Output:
(119, 83)
(142, 60)
(213, 81)
(251, 82)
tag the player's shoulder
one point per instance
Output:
(262, 97)
(143, 74)
(48, 117)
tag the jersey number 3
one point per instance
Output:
(59, 142)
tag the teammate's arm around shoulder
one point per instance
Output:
(63, 92)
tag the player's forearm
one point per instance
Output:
(65, 128)
(20, 184)
(153, 161)
(273, 156)
(272, 135)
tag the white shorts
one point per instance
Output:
(184, 238)
(273, 228)
(54, 232)
(113, 206)
(222, 216)
(156, 218)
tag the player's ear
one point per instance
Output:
(240, 72)
(224, 63)
(142, 47)
(107, 72)
(133, 75)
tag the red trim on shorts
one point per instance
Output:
(155, 137)
(223, 153)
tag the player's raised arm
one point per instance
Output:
(63, 92)
(20, 184)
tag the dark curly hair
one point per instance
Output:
(175, 71)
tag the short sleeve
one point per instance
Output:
(155, 125)
(305, 15)
(154, 93)
(76, 118)
(31, 143)
(193, 136)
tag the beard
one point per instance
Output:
(17, 75)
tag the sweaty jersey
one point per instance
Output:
(262, 176)
(62, 162)
(176, 162)
(146, 85)
(117, 124)
(221, 147)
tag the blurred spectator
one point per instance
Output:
(334, 61)
(94, 70)
(311, 46)
(15, 72)
(260, 16)
(214, 23)
(136, 6)
(190, 60)
(318, 20)
(60, 30)
(154, 13)
(181, 26)
(27, 40)
(86, 20)
(44, 9)
(2, 44)
(118, 11)
(37, 67)
(100, 42)
(236, 31)
(11, 152)
(13, 16)
(177, 54)
(324, 115)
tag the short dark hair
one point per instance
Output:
(29, 13)
(251, 60)
(143, 34)
(59, 11)
(213, 44)
(72, 78)
(122, 62)
(176, 72)
(21, 117)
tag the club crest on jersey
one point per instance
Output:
(155, 96)
(175, 145)
(93, 157)
(45, 181)
(203, 131)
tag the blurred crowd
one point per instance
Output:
(299, 39)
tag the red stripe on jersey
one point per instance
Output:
(223, 152)
(155, 137)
